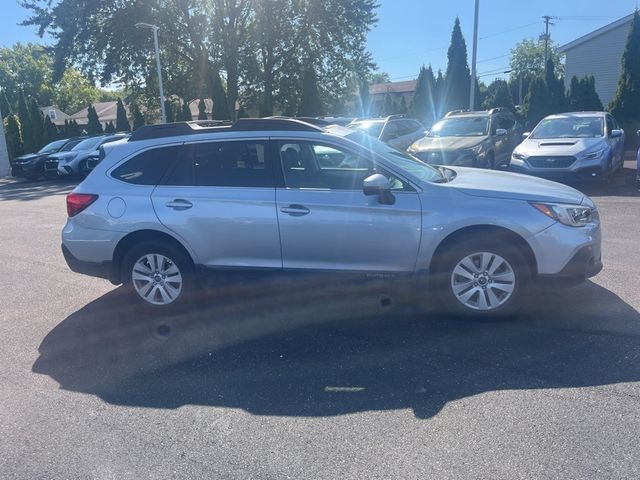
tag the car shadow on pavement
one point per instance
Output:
(332, 349)
(25, 190)
(622, 184)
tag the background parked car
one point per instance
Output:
(396, 130)
(74, 162)
(31, 166)
(471, 139)
(583, 145)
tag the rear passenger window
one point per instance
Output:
(148, 167)
(224, 164)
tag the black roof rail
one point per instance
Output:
(177, 129)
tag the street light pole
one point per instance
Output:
(472, 94)
(155, 29)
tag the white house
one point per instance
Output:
(598, 53)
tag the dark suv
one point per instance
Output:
(470, 139)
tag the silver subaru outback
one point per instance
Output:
(174, 202)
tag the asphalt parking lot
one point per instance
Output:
(311, 380)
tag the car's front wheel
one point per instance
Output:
(482, 279)
(159, 275)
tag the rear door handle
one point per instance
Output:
(179, 204)
(295, 210)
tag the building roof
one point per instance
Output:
(408, 86)
(58, 117)
(107, 112)
(596, 33)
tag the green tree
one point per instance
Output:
(202, 110)
(440, 95)
(74, 129)
(582, 95)
(379, 77)
(402, 108)
(94, 127)
(527, 58)
(138, 118)
(626, 102)
(555, 86)
(4, 105)
(168, 110)
(388, 106)
(74, 92)
(537, 102)
(219, 96)
(13, 134)
(458, 77)
(49, 131)
(310, 101)
(26, 68)
(110, 128)
(186, 112)
(122, 122)
(25, 120)
(498, 95)
(34, 135)
(423, 106)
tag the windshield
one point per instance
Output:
(373, 129)
(52, 147)
(570, 127)
(402, 160)
(461, 127)
(69, 146)
(88, 144)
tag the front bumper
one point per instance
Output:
(586, 263)
(26, 169)
(580, 170)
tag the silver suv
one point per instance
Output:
(176, 201)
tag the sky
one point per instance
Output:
(410, 33)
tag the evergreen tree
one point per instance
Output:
(138, 119)
(573, 98)
(4, 105)
(168, 110)
(388, 106)
(94, 127)
(186, 112)
(402, 108)
(49, 131)
(13, 134)
(36, 119)
(219, 96)
(439, 96)
(122, 123)
(498, 95)
(364, 100)
(537, 102)
(458, 77)
(74, 129)
(24, 123)
(555, 86)
(592, 100)
(626, 102)
(202, 110)
(66, 132)
(110, 128)
(423, 103)
(310, 102)
(582, 95)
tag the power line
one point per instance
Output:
(494, 58)
(509, 30)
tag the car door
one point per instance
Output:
(326, 221)
(504, 144)
(392, 135)
(220, 198)
(617, 143)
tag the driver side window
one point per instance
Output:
(314, 165)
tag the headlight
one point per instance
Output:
(518, 156)
(570, 215)
(413, 148)
(593, 155)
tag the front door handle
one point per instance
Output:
(179, 204)
(295, 210)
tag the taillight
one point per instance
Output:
(77, 202)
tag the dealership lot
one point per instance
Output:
(311, 380)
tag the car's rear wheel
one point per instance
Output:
(159, 275)
(482, 279)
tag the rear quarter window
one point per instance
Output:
(148, 167)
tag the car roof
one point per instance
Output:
(577, 114)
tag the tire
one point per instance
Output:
(466, 287)
(490, 162)
(166, 262)
(82, 169)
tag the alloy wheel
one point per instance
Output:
(157, 279)
(483, 281)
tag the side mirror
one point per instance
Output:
(638, 133)
(501, 132)
(617, 133)
(378, 184)
(525, 135)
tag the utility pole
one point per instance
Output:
(163, 113)
(472, 94)
(547, 21)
